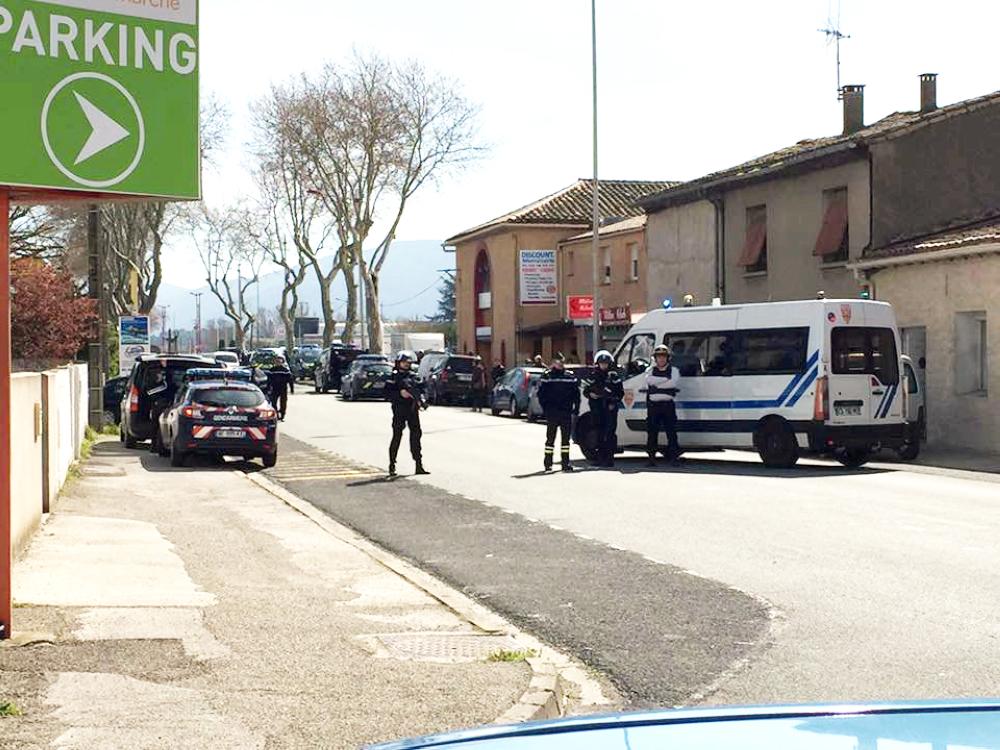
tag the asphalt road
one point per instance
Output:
(882, 582)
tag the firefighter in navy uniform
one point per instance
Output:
(405, 391)
(604, 391)
(559, 396)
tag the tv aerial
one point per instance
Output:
(835, 35)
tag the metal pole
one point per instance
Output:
(197, 321)
(596, 219)
(96, 356)
(363, 308)
(6, 561)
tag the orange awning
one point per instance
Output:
(831, 234)
(754, 244)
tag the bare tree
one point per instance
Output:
(282, 175)
(36, 232)
(226, 253)
(373, 134)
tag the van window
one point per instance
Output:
(636, 354)
(865, 351)
(705, 353)
(770, 351)
(911, 379)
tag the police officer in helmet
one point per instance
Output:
(662, 386)
(406, 395)
(559, 396)
(604, 391)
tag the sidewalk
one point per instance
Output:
(190, 608)
(941, 460)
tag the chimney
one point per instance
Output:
(854, 108)
(928, 92)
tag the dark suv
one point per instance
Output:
(450, 380)
(151, 388)
(331, 366)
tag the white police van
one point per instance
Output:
(782, 378)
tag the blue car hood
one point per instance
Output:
(916, 725)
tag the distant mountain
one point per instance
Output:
(410, 283)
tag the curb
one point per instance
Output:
(545, 696)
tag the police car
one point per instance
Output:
(219, 413)
(782, 378)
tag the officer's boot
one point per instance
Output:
(547, 463)
(420, 469)
(564, 463)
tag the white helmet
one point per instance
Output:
(603, 356)
(407, 355)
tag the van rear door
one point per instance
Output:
(864, 375)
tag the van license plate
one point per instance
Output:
(465, 378)
(231, 434)
(847, 411)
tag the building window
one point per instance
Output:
(754, 255)
(633, 254)
(570, 262)
(971, 354)
(606, 262)
(833, 241)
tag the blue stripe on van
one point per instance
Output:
(878, 409)
(888, 400)
(809, 373)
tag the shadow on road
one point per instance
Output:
(377, 480)
(637, 465)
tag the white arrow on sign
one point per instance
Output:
(105, 132)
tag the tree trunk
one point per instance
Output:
(374, 315)
(351, 317)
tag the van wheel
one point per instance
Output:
(130, 442)
(909, 451)
(514, 411)
(177, 457)
(585, 436)
(853, 458)
(270, 460)
(777, 445)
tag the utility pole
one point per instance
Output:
(197, 321)
(97, 349)
(164, 342)
(596, 218)
(363, 308)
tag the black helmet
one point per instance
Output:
(662, 349)
(406, 355)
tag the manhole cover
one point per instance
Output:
(444, 647)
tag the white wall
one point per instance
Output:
(681, 254)
(26, 457)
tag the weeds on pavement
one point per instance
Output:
(9, 709)
(520, 654)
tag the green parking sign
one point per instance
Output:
(100, 96)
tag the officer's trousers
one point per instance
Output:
(661, 416)
(563, 424)
(405, 417)
(606, 424)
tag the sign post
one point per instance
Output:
(99, 101)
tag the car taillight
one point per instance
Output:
(133, 399)
(265, 413)
(444, 376)
(527, 379)
(821, 402)
(192, 411)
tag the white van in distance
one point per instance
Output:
(781, 378)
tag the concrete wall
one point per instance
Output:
(944, 174)
(930, 295)
(26, 457)
(506, 316)
(681, 242)
(64, 399)
(794, 215)
(577, 277)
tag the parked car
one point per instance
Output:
(304, 359)
(535, 411)
(228, 416)
(331, 365)
(229, 359)
(114, 389)
(513, 391)
(152, 386)
(939, 724)
(428, 362)
(914, 411)
(365, 379)
(450, 380)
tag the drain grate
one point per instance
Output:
(444, 647)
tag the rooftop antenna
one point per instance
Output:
(834, 34)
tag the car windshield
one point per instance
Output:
(378, 367)
(460, 364)
(223, 396)
(309, 355)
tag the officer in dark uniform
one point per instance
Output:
(279, 381)
(405, 392)
(559, 396)
(604, 391)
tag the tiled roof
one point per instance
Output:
(809, 149)
(982, 233)
(572, 204)
(625, 225)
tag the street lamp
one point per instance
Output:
(596, 187)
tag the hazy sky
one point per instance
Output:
(685, 88)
